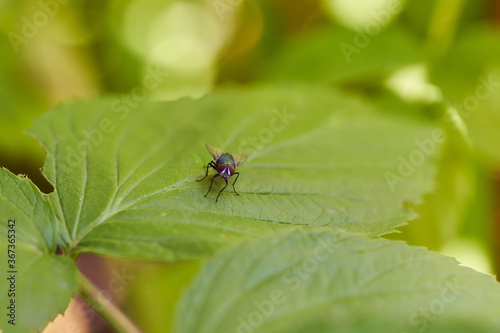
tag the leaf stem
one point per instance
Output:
(105, 307)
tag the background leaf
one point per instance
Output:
(475, 92)
(339, 55)
(334, 281)
(125, 179)
(44, 283)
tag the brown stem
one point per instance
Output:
(109, 311)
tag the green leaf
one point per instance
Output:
(335, 54)
(21, 200)
(41, 283)
(124, 173)
(337, 282)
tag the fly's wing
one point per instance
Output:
(214, 151)
(239, 159)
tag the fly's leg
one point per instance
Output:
(221, 190)
(216, 175)
(238, 174)
(210, 164)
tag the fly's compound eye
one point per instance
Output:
(225, 170)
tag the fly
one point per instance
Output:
(224, 164)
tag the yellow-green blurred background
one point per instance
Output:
(423, 56)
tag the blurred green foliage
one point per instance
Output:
(65, 50)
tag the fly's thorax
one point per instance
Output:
(226, 159)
